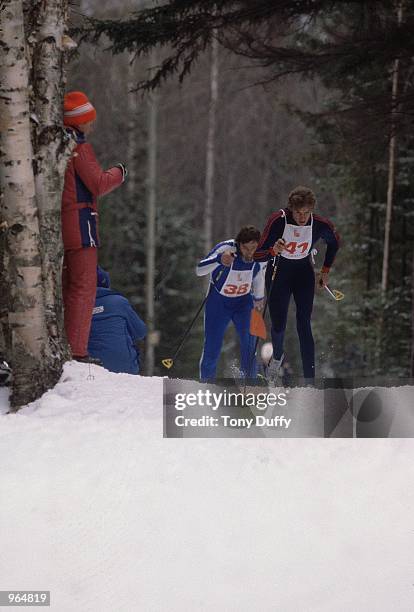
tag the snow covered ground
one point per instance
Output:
(98, 508)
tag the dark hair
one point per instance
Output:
(247, 234)
(301, 197)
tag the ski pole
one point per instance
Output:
(335, 293)
(274, 270)
(169, 362)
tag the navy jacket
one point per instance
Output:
(115, 329)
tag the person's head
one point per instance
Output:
(301, 202)
(247, 240)
(78, 112)
(102, 278)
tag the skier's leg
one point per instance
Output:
(278, 308)
(80, 292)
(241, 320)
(303, 294)
(216, 319)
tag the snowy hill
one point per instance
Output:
(102, 511)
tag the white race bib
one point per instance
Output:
(238, 283)
(298, 240)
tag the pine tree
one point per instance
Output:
(373, 334)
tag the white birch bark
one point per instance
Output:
(21, 273)
(51, 155)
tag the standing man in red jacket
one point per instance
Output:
(84, 182)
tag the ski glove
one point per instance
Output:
(123, 169)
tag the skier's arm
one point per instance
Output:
(271, 234)
(331, 237)
(136, 326)
(258, 283)
(213, 259)
(98, 181)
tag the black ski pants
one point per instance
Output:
(297, 278)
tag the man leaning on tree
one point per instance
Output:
(84, 182)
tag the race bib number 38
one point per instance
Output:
(236, 289)
(237, 283)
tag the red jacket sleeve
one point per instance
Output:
(98, 181)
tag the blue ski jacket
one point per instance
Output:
(115, 329)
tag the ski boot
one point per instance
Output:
(274, 370)
(88, 359)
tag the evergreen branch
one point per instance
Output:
(186, 28)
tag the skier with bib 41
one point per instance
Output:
(236, 287)
(290, 235)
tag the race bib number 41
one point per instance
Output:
(297, 247)
(298, 241)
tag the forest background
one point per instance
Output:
(270, 95)
(268, 138)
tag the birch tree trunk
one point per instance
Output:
(391, 167)
(151, 239)
(27, 342)
(229, 218)
(210, 149)
(51, 155)
(132, 106)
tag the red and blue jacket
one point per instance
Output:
(84, 182)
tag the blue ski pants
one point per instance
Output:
(219, 311)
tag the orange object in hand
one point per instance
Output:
(257, 325)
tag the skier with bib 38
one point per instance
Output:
(236, 287)
(289, 236)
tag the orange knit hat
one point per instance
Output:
(77, 109)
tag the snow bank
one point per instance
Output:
(102, 511)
